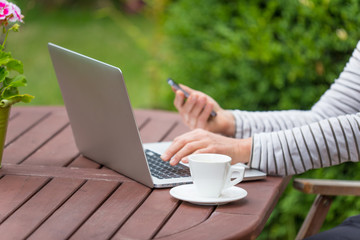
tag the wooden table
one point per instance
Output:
(49, 191)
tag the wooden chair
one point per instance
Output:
(326, 190)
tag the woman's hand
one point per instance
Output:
(202, 141)
(195, 112)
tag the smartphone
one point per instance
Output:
(177, 87)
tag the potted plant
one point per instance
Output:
(11, 69)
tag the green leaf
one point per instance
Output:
(11, 85)
(26, 98)
(6, 82)
(18, 81)
(12, 64)
(15, 65)
(5, 57)
(9, 92)
(3, 74)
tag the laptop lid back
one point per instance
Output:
(100, 113)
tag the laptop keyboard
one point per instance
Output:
(164, 170)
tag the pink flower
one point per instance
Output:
(9, 12)
(15, 13)
(4, 10)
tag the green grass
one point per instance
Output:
(122, 43)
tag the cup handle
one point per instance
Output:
(240, 170)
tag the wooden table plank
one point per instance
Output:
(75, 210)
(157, 126)
(59, 151)
(140, 118)
(178, 130)
(83, 162)
(114, 212)
(22, 121)
(256, 201)
(186, 216)
(260, 201)
(63, 172)
(23, 222)
(155, 131)
(150, 216)
(33, 139)
(15, 190)
(159, 119)
(220, 226)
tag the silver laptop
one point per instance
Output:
(102, 120)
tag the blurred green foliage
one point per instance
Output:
(266, 55)
(261, 54)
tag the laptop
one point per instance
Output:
(103, 123)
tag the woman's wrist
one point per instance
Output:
(243, 151)
(228, 126)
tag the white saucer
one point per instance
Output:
(188, 193)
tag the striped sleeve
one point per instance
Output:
(320, 144)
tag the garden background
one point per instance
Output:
(251, 55)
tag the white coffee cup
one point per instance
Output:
(211, 173)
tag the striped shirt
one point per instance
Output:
(293, 141)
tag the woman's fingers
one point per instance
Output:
(179, 99)
(181, 146)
